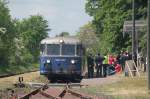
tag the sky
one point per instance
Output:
(62, 15)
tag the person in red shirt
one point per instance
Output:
(118, 68)
(111, 67)
(111, 60)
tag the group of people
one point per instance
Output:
(98, 63)
(106, 65)
(122, 57)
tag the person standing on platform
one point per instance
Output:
(99, 60)
(122, 60)
(90, 65)
(111, 60)
(105, 65)
(118, 58)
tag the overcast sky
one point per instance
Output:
(62, 15)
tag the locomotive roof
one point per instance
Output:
(56, 40)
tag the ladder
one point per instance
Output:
(132, 68)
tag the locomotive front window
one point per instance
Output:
(68, 49)
(53, 49)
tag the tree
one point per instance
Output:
(64, 34)
(88, 37)
(20, 40)
(7, 34)
(32, 30)
(108, 18)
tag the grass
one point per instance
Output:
(125, 88)
(6, 70)
(41, 79)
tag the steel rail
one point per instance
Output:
(68, 90)
(48, 95)
(34, 92)
(78, 94)
(16, 74)
(60, 95)
(31, 94)
(37, 85)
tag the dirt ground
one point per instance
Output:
(35, 76)
(8, 81)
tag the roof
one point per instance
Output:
(56, 40)
(128, 25)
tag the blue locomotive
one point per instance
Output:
(61, 58)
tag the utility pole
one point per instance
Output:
(133, 31)
(148, 44)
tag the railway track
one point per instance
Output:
(15, 74)
(47, 92)
(70, 85)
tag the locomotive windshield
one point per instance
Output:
(64, 49)
(53, 49)
(68, 49)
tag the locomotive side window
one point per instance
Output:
(79, 50)
(68, 49)
(42, 49)
(53, 49)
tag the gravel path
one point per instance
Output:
(7, 81)
(101, 81)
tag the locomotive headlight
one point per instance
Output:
(72, 61)
(61, 41)
(48, 61)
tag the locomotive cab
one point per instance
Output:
(61, 58)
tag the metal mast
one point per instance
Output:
(148, 44)
(133, 31)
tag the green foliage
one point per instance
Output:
(20, 39)
(88, 37)
(108, 18)
(7, 36)
(32, 30)
(143, 42)
(17, 69)
(64, 34)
